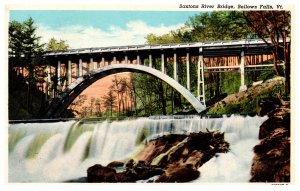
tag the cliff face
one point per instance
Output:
(271, 162)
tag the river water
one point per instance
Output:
(61, 151)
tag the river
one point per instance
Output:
(62, 151)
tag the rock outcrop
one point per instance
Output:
(245, 102)
(173, 158)
(271, 162)
(140, 171)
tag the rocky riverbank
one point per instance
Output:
(271, 162)
(247, 102)
(170, 158)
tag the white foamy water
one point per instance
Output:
(104, 142)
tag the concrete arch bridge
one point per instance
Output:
(76, 69)
(61, 102)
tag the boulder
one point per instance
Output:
(147, 171)
(140, 171)
(99, 173)
(278, 118)
(196, 149)
(157, 146)
(179, 174)
(271, 162)
(130, 163)
(115, 164)
(128, 176)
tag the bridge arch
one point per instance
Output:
(60, 103)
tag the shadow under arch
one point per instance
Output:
(60, 103)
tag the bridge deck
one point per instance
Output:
(210, 48)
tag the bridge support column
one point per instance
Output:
(138, 59)
(242, 69)
(58, 71)
(175, 72)
(114, 60)
(102, 61)
(90, 65)
(80, 68)
(188, 80)
(150, 61)
(201, 89)
(126, 59)
(48, 80)
(163, 69)
(95, 65)
(69, 72)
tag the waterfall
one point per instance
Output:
(55, 152)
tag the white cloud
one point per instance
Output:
(83, 37)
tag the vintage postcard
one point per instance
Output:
(187, 92)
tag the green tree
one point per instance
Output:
(152, 95)
(54, 44)
(25, 50)
(276, 26)
(109, 101)
(218, 25)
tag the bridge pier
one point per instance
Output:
(138, 60)
(79, 68)
(150, 60)
(102, 63)
(188, 80)
(58, 70)
(69, 73)
(95, 64)
(200, 72)
(163, 68)
(114, 60)
(242, 69)
(126, 59)
(48, 80)
(175, 72)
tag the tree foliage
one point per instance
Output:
(109, 101)
(23, 41)
(218, 25)
(25, 50)
(54, 44)
(208, 26)
(276, 26)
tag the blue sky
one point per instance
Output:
(102, 28)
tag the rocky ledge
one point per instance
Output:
(170, 158)
(271, 162)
